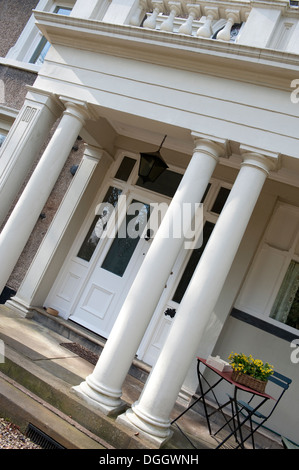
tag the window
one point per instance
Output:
(40, 52)
(7, 118)
(166, 184)
(286, 306)
(270, 291)
(94, 233)
(125, 169)
(2, 138)
(192, 263)
(215, 197)
(31, 47)
(123, 246)
(220, 200)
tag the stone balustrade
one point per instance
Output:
(205, 19)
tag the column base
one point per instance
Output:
(18, 306)
(108, 406)
(151, 432)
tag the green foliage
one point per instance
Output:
(250, 366)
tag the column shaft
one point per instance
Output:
(22, 145)
(104, 385)
(62, 231)
(151, 413)
(18, 228)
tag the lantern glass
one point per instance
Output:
(151, 166)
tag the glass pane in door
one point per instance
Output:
(127, 238)
(192, 263)
(92, 238)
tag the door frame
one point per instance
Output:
(131, 191)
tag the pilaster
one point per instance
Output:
(22, 144)
(60, 236)
(19, 226)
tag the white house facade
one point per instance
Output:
(218, 84)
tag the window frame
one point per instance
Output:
(31, 36)
(283, 290)
(7, 118)
(288, 255)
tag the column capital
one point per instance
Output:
(259, 158)
(216, 146)
(43, 97)
(78, 108)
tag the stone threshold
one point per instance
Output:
(84, 337)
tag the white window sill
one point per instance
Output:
(20, 65)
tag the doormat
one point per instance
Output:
(81, 351)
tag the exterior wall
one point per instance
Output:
(262, 337)
(46, 218)
(248, 113)
(142, 89)
(13, 82)
(238, 336)
(13, 18)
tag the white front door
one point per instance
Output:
(114, 271)
(174, 290)
(98, 272)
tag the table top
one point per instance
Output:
(228, 377)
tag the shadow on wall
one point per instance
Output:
(6, 294)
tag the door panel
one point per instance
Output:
(108, 285)
(170, 300)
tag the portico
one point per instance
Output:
(122, 87)
(150, 414)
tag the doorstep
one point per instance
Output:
(78, 334)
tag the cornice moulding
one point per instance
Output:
(230, 60)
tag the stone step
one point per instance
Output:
(28, 411)
(36, 361)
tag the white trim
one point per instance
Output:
(30, 37)
(288, 256)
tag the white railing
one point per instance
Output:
(222, 20)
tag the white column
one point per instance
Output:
(151, 413)
(22, 144)
(103, 387)
(60, 236)
(30, 204)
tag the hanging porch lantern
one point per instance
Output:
(151, 165)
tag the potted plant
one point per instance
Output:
(252, 373)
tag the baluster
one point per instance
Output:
(206, 30)
(232, 17)
(135, 20)
(194, 12)
(152, 20)
(175, 9)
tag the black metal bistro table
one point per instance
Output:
(237, 421)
